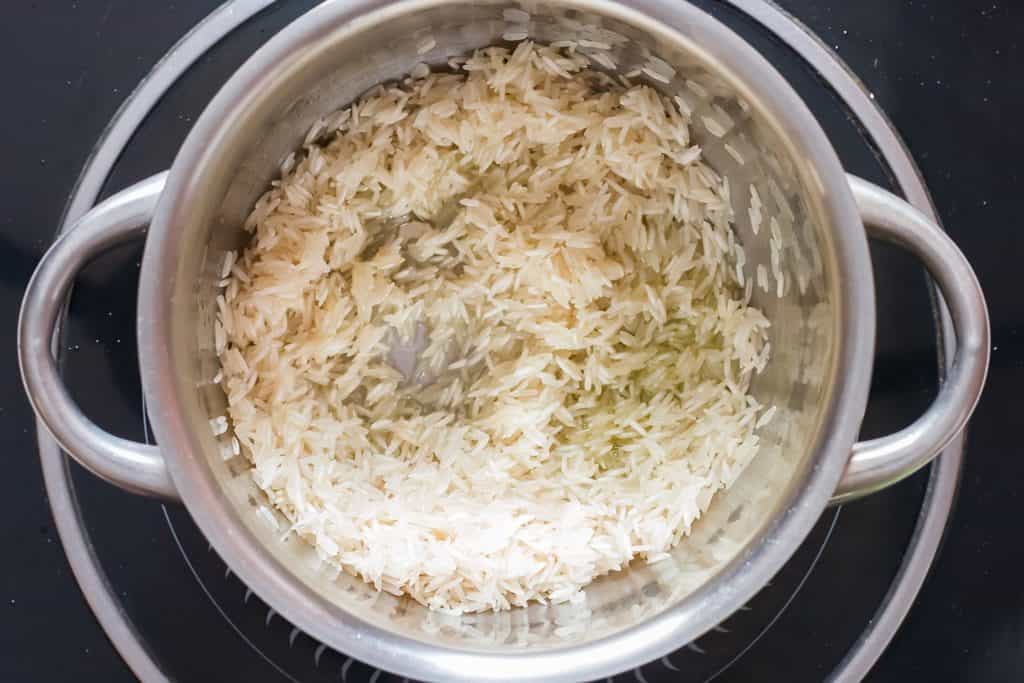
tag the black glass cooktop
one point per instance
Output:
(942, 70)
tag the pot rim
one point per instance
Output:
(849, 262)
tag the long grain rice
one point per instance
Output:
(581, 348)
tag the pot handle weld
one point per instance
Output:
(133, 466)
(880, 462)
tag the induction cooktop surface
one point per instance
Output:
(191, 619)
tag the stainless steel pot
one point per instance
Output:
(753, 128)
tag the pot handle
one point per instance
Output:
(879, 462)
(133, 466)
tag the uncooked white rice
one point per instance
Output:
(516, 15)
(734, 153)
(697, 88)
(420, 70)
(584, 346)
(425, 45)
(659, 70)
(603, 59)
(219, 425)
(514, 35)
(655, 75)
(714, 126)
(722, 117)
(755, 209)
(685, 108)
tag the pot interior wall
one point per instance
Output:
(737, 139)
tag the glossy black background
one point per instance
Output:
(945, 71)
